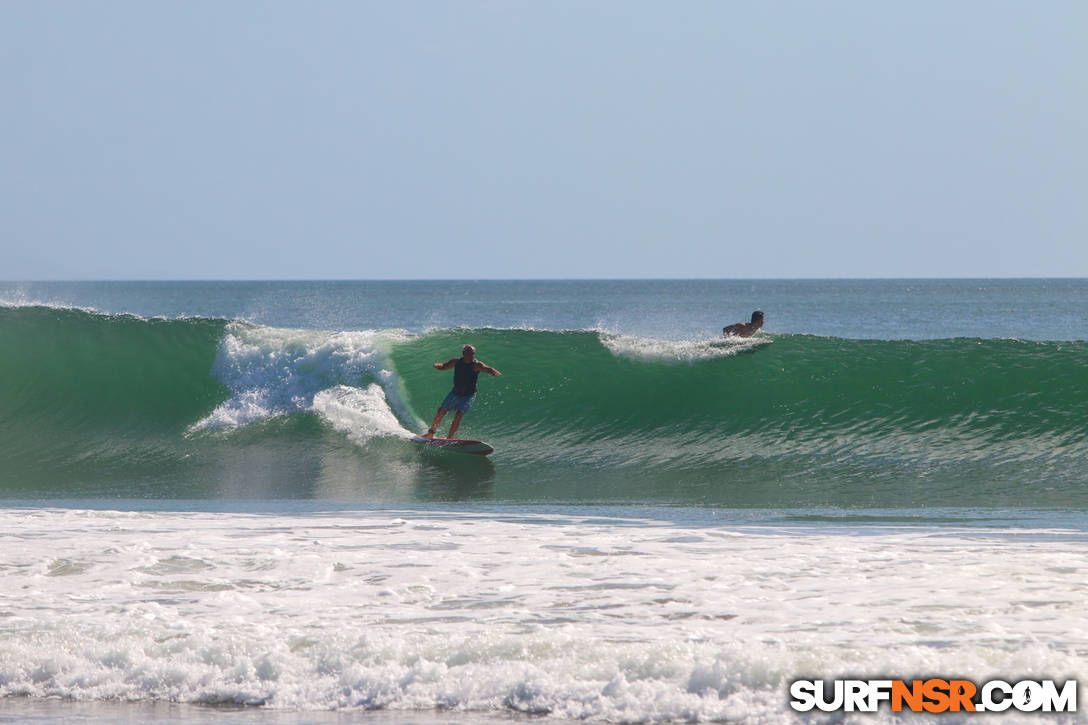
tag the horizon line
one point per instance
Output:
(524, 279)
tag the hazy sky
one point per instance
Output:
(269, 140)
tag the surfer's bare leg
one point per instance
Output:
(434, 424)
(456, 422)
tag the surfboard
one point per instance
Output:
(742, 344)
(460, 445)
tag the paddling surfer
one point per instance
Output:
(745, 329)
(465, 371)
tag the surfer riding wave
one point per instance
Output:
(466, 369)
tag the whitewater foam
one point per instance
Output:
(651, 349)
(343, 376)
(611, 618)
(361, 414)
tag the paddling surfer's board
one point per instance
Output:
(742, 344)
(460, 445)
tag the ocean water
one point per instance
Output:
(211, 511)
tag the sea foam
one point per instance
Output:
(572, 616)
(651, 349)
(344, 376)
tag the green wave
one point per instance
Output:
(81, 391)
(805, 421)
(803, 394)
(97, 404)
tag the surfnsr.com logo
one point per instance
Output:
(933, 695)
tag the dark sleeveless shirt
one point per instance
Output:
(464, 378)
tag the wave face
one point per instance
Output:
(122, 405)
(82, 392)
(819, 420)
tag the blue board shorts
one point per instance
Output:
(460, 403)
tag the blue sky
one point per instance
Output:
(366, 140)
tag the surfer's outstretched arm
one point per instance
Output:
(446, 365)
(487, 369)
